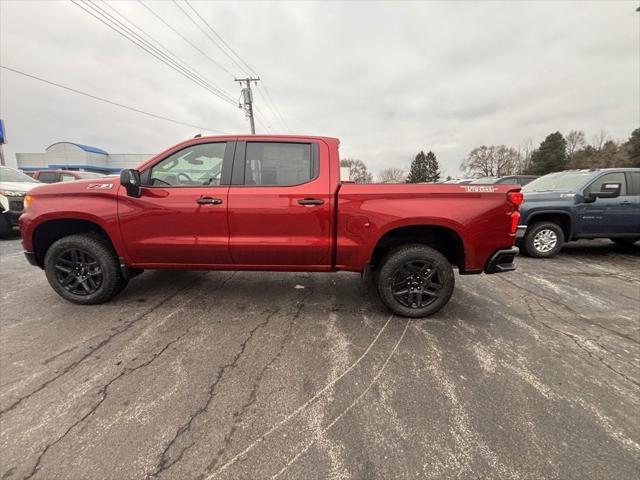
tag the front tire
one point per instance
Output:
(83, 269)
(543, 240)
(415, 281)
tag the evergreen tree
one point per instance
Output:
(424, 168)
(551, 155)
(633, 145)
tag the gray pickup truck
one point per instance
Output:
(570, 205)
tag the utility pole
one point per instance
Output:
(247, 99)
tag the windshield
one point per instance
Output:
(10, 175)
(90, 175)
(558, 182)
(484, 180)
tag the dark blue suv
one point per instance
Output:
(571, 205)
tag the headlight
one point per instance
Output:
(27, 200)
(12, 193)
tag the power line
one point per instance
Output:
(95, 97)
(210, 37)
(270, 106)
(155, 14)
(252, 71)
(158, 48)
(275, 111)
(127, 33)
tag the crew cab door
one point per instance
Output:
(608, 216)
(280, 206)
(181, 216)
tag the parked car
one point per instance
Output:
(54, 176)
(13, 187)
(267, 203)
(576, 204)
(521, 180)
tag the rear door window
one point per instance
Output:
(279, 164)
(635, 183)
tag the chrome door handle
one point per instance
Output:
(209, 201)
(626, 202)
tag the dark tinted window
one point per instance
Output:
(635, 183)
(507, 180)
(281, 164)
(48, 177)
(197, 165)
(609, 178)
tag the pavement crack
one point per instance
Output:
(98, 347)
(103, 396)
(253, 394)
(165, 461)
(577, 314)
(576, 340)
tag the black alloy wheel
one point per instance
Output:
(415, 280)
(416, 284)
(83, 268)
(78, 272)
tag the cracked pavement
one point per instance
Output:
(203, 375)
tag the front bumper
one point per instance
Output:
(502, 261)
(12, 218)
(522, 229)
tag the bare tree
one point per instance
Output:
(525, 150)
(392, 175)
(358, 171)
(575, 141)
(491, 161)
(599, 139)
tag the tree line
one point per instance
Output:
(555, 153)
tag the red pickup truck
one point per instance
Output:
(267, 203)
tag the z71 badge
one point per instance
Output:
(99, 186)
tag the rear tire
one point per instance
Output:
(83, 269)
(415, 281)
(543, 240)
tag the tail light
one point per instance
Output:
(515, 220)
(516, 198)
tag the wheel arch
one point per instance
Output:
(563, 219)
(49, 231)
(444, 239)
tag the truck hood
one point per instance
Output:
(535, 197)
(18, 186)
(78, 186)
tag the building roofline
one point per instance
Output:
(86, 148)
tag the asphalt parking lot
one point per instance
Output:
(203, 375)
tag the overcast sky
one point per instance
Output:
(387, 78)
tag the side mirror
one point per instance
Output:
(609, 190)
(130, 179)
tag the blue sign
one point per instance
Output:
(2, 138)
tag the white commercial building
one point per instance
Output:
(75, 156)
